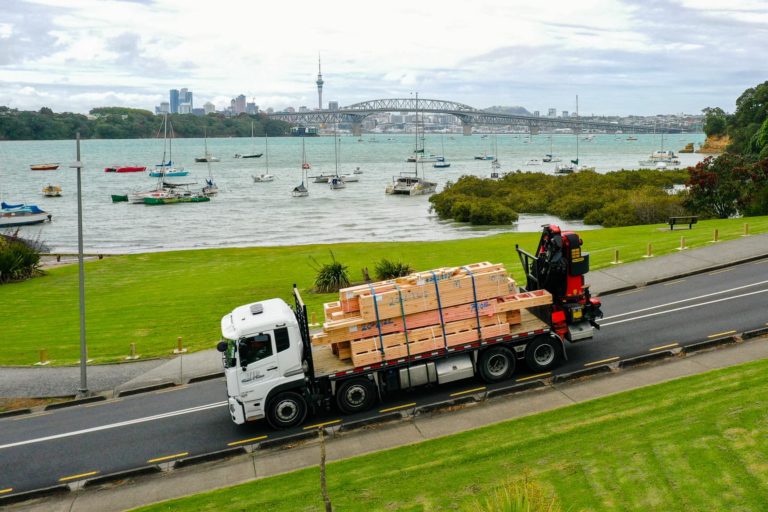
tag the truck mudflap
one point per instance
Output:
(236, 411)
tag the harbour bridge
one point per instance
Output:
(469, 117)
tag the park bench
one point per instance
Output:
(690, 220)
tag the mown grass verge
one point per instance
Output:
(151, 299)
(697, 443)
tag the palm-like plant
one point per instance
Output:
(331, 277)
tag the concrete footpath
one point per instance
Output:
(111, 380)
(240, 465)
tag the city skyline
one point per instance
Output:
(622, 58)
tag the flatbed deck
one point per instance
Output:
(327, 364)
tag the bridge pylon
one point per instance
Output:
(357, 128)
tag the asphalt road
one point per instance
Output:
(68, 445)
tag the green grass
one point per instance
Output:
(151, 299)
(694, 444)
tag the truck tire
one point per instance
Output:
(356, 395)
(286, 410)
(496, 364)
(543, 354)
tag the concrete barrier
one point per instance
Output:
(30, 495)
(578, 374)
(145, 389)
(73, 403)
(645, 359)
(707, 344)
(227, 453)
(516, 388)
(121, 475)
(376, 420)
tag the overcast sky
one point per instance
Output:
(620, 57)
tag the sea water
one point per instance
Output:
(245, 213)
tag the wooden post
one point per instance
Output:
(616, 257)
(682, 243)
(133, 355)
(179, 348)
(746, 229)
(649, 252)
(716, 236)
(43, 358)
(314, 319)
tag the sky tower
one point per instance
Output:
(319, 83)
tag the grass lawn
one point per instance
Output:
(694, 444)
(151, 299)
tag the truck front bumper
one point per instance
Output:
(236, 411)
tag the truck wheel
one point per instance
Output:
(542, 354)
(356, 395)
(286, 410)
(496, 364)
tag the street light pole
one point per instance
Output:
(83, 389)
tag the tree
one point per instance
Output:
(751, 112)
(716, 185)
(715, 121)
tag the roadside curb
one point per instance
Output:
(276, 443)
(145, 389)
(377, 420)
(227, 453)
(73, 403)
(121, 475)
(578, 374)
(705, 344)
(207, 376)
(37, 493)
(15, 412)
(645, 359)
(515, 388)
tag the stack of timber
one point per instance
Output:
(425, 311)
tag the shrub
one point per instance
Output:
(18, 260)
(519, 496)
(386, 269)
(331, 277)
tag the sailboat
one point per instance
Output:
(550, 157)
(262, 178)
(165, 167)
(336, 182)
(207, 157)
(210, 189)
(441, 163)
(254, 154)
(660, 159)
(301, 189)
(574, 165)
(407, 184)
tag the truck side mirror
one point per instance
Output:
(222, 346)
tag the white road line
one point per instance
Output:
(679, 309)
(685, 300)
(116, 425)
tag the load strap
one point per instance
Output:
(477, 308)
(405, 331)
(440, 309)
(378, 321)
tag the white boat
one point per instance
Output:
(349, 178)
(166, 168)
(336, 182)
(12, 215)
(301, 190)
(322, 178)
(357, 171)
(410, 183)
(533, 161)
(265, 176)
(565, 169)
(669, 158)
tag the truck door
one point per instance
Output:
(259, 368)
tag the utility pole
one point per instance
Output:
(83, 389)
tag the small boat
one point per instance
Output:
(254, 154)
(357, 171)
(207, 157)
(210, 189)
(565, 169)
(349, 178)
(176, 197)
(410, 185)
(125, 168)
(336, 183)
(484, 157)
(322, 178)
(263, 178)
(161, 172)
(551, 158)
(44, 167)
(119, 198)
(21, 215)
(441, 165)
(588, 137)
(533, 161)
(301, 190)
(165, 168)
(52, 191)
(631, 138)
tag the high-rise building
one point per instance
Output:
(174, 103)
(163, 108)
(552, 112)
(333, 105)
(565, 114)
(209, 108)
(319, 83)
(238, 105)
(185, 108)
(536, 113)
(251, 108)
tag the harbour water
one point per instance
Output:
(264, 214)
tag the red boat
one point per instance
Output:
(126, 168)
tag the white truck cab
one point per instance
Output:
(262, 353)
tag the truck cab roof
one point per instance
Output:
(256, 317)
